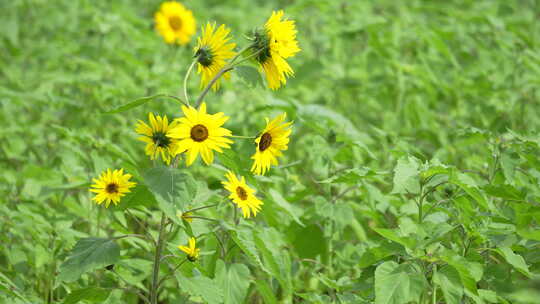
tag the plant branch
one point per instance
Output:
(157, 259)
(186, 80)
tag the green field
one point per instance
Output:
(412, 174)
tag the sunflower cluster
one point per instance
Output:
(196, 131)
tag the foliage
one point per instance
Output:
(412, 174)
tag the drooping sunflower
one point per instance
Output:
(199, 132)
(212, 52)
(175, 22)
(111, 186)
(242, 195)
(273, 139)
(277, 42)
(157, 137)
(191, 251)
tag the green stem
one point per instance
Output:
(228, 67)
(157, 259)
(186, 80)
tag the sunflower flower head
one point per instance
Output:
(191, 251)
(157, 137)
(200, 132)
(212, 51)
(242, 195)
(273, 139)
(175, 22)
(111, 186)
(276, 43)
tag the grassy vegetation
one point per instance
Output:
(412, 174)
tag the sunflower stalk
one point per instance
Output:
(157, 259)
(186, 80)
(229, 67)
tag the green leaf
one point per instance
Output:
(243, 237)
(201, 286)
(89, 254)
(172, 188)
(292, 210)
(249, 75)
(92, 294)
(507, 192)
(407, 242)
(406, 176)
(398, 284)
(139, 196)
(138, 102)
(447, 278)
(515, 260)
(468, 185)
(469, 272)
(234, 280)
(266, 292)
(375, 254)
(309, 241)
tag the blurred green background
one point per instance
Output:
(375, 81)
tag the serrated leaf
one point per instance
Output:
(249, 75)
(447, 278)
(406, 176)
(375, 254)
(201, 286)
(292, 210)
(515, 260)
(172, 188)
(89, 254)
(234, 280)
(243, 237)
(507, 192)
(398, 284)
(392, 235)
(139, 196)
(92, 294)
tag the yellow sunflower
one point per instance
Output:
(273, 139)
(199, 132)
(212, 51)
(175, 22)
(157, 137)
(278, 42)
(191, 251)
(242, 195)
(111, 186)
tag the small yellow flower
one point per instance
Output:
(111, 186)
(242, 195)
(212, 51)
(199, 132)
(175, 22)
(157, 137)
(186, 216)
(278, 43)
(190, 250)
(273, 139)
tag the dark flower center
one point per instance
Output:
(265, 142)
(199, 133)
(242, 194)
(175, 22)
(204, 56)
(160, 139)
(262, 42)
(112, 188)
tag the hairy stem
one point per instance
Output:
(186, 80)
(157, 259)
